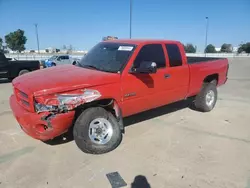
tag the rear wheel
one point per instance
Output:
(24, 71)
(206, 99)
(97, 131)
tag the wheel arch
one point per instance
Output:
(212, 78)
(109, 104)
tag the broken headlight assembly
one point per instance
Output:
(45, 108)
(65, 102)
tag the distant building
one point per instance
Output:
(109, 38)
(218, 49)
(235, 49)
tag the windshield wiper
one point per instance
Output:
(90, 66)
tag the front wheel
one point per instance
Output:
(206, 99)
(96, 131)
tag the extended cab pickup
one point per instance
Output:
(12, 68)
(114, 80)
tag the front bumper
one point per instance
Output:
(39, 126)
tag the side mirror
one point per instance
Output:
(58, 59)
(146, 67)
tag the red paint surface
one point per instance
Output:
(32, 124)
(151, 90)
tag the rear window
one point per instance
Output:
(174, 55)
(65, 57)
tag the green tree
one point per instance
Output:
(210, 49)
(244, 48)
(227, 48)
(16, 40)
(189, 48)
(247, 48)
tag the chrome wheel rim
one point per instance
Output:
(210, 98)
(100, 131)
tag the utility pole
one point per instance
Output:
(130, 21)
(207, 22)
(37, 38)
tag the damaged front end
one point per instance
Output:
(56, 111)
(61, 103)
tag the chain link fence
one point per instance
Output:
(46, 56)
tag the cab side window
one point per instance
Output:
(174, 55)
(2, 58)
(151, 53)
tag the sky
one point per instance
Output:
(83, 23)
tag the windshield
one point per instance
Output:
(53, 57)
(108, 57)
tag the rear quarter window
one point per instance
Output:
(174, 55)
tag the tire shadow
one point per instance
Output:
(129, 121)
(150, 114)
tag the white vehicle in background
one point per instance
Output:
(57, 60)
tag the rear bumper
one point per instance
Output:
(43, 126)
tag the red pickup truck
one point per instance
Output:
(114, 80)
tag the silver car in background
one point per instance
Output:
(57, 60)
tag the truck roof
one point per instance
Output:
(141, 41)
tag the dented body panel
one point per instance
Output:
(44, 102)
(33, 124)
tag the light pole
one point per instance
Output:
(37, 38)
(130, 21)
(207, 22)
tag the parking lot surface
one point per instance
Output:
(170, 147)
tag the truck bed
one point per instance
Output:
(202, 67)
(192, 60)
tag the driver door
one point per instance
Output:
(141, 92)
(4, 66)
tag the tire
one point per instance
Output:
(74, 63)
(53, 64)
(202, 102)
(82, 131)
(22, 72)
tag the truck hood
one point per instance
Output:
(62, 78)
